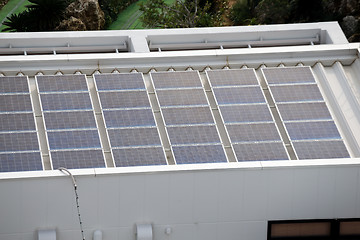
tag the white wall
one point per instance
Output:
(216, 203)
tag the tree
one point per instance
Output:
(40, 15)
(46, 14)
(272, 11)
(243, 12)
(307, 11)
(181, 14)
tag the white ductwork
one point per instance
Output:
(97, 235)
(144, 232)
(47, 234)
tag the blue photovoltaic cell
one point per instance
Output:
(134, 137)
(62, 83)
(260, 151)
(181, 97)
(66, 101)
(129, 118)
(235, 95)
(139, 157)
(92, 158)
(69, 120)
(18, 84)
(253, 132)
(17, 122)
(294, 93)
(119, 81)
(124, 99)
(233, 77)
(286, 75)
(188, 115)
(15, 103)
(74, 139)
(19, 141)
(189, 79)
(245, 113)
(193, 134)
(312, 130)
(15, 162)
(320, 149)
(304, 111)
(199, 154)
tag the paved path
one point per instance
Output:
(132, 19)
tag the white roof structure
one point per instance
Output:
(209, 133)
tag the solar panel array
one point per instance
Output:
(304, 112)
(188, 119)
(70, 124)
(19, 145)
(73, 136)
(246, 115)
(129, 120)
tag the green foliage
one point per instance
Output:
(15, 22)
(182, 14)
(307, 11)
(46, 14)
(41, 15)
(273, 11)
(245, 12)
(240, 13)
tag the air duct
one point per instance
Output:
(47, 234)
(144, 232)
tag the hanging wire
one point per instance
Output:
(62, 169)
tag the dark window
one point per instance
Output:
(324, 229)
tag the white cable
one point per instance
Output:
(62, 169)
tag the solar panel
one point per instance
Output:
(69, 120)
(320, 149)
(129, 137)
(17, 122)
(124, 99)
(193, 134)
(300, 102)
(181, 97)
(304, 111)
(129, 118)
(199, 154)
(236, 95)
(15, 162)
(190, 79)
(119, 81)
(247, 117)
(66, 101)
(233, 77)
(253, 132)
(187, 115)
(296, 93)
(18, 84)
(15, 103)
(19, 146)
(139, 157)
(74, 139)
(92, 158)
(263, 151)
(19, 141)
(312, 130)
(245, 113)
(288, 75)
(61, 83)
